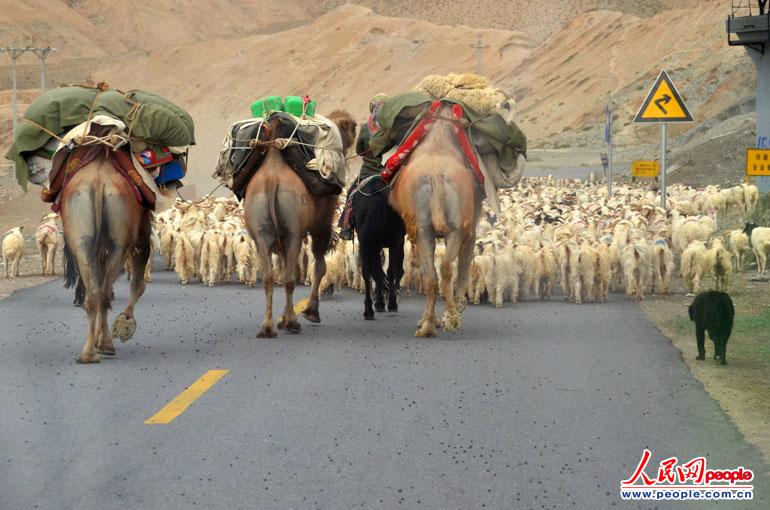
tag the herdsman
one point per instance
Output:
(370, 166)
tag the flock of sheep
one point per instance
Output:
(550, 232)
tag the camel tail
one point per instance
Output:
(71, 272)
(437, 204)
(272, 206)
(101, 244)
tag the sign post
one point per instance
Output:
(664, 104)
(608, 140)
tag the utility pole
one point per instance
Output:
(608, 140)
(15, 53)
(42, 53)
(479, 46)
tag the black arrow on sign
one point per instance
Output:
(664, 100)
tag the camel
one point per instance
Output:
(437, 196)
(103, 225)
(280, 212)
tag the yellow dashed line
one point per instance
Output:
(177, 406)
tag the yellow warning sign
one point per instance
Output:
(758, 162)
(663, 103)
(645, 168)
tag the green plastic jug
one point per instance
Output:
(273, 104)
(257, 108)
(293, 105)
(310, 109)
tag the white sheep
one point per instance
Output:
(760, 245)
(693, 266)
(739, 246)
(47, 241)
(662, 266)
(184, 256)
(719, 262)
(13, 249)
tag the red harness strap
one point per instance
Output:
(410, 143)
(414, 138)
(465, 143)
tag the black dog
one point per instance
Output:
(713, 311)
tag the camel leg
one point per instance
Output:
(427, 246)
(463, 272)
(319, 270)
(263, 251)
(148, 270)
(91, 305)
(451, 319)
(289, 319)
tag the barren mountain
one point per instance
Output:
(214, 57)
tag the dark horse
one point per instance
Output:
(378, 227)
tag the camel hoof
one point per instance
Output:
(369, 316)
(148, 280)
(87, 360)
(393, 307)
(379, 308)
(106, 351)
(123, 328)
(451, 321)
(312, 316)
(425, 333)
(292, 327)
(266, 332)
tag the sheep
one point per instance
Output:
(13, 249)
(505, 276)
(544, 274)
(662, 266)
(246, 261)
(636, 267)
(693, 266)
(751, 197)
(154, 248)
(167, 245)
(739, 246)
(211, 257)
(482, 271)
(719, 261)
(760, 245)
(568, 267)
(184, 256)
(602, 272)
(584, 277)
(525, 265)
(47, 241)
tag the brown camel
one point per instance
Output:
(280, 212)
(437, 196)
(103, 225)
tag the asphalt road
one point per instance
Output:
(540, 405)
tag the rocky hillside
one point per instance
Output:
(562, 59)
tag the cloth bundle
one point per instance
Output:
(146, 117)
(315, 142)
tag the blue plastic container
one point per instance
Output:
(170, 172)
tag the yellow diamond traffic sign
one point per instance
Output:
(663, 103)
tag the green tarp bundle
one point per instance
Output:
(398, 113)
(150, 118)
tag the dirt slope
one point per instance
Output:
(341, 60)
